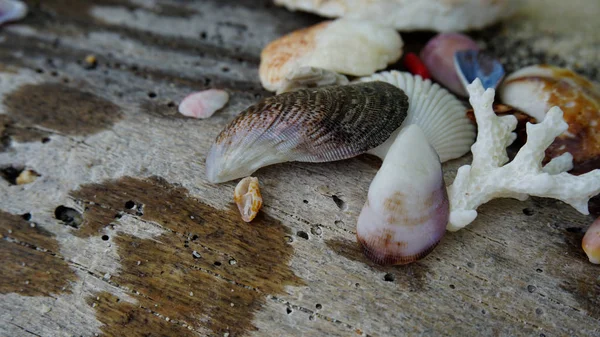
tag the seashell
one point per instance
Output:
(591, 242)
(12, 10)
(247, 198)
(407, 209)
(438, 56)
(416, 67)
(436, 111)
(535, 89)
(309, 125)
(410, 15)
(351, 47)
(472, 64)
(310, 77)
(26, 177)
(203, 104)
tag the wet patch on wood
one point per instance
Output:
(61, 108)
(9, 132)
(208, 270)
(411, 277)
(29, 262)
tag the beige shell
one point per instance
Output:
(351, 47)
(591, 242)
(409, 15)
(536, 89)
(247, 198)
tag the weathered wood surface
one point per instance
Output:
(144, 246)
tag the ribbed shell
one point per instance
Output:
(314, 125)
(439, 114)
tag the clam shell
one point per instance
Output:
(351, 47)
(310, 125)
(409, 15)
(436, 111)
(535, 89)
(407, 209)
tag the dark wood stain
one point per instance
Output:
(10, 131)
(411, 277)
(61, 108)
(186, 273)
(30, 266)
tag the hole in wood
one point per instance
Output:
(389, 277)
(69, 216)
(288, 310)
(303, 235)
(528, 211)
(217, 263)
(152, 94)
(341, 204)
(105, 238)
(318, 306)
(26, 216)
(11, 173)
(130, 204)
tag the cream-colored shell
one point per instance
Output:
(351, 47)
(247, 197)
(409, 15)
(436, 111)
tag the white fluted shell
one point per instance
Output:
(436, 111)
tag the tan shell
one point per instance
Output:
(247, 198)
(349, 47)
(536, 89)
(591, 242)
(409, 15)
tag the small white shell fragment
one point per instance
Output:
(203, 104)
(26, 177)
(409, 15)
(247, 198)
(351, 47)
(12, 10)
(490, 177)
(436, 111)
(591, 242)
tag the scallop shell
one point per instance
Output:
(247, 197)
(535, 89)
(409, 15)
(407, 209)
(310, 125)
(436, 111)
(350, 47)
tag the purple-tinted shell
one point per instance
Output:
(438, 56)
(12, 10)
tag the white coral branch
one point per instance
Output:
(489, 178)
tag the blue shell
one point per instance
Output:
(472, 64)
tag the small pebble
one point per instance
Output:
(26, 177)
(90, 62)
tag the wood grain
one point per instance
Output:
(144, 246)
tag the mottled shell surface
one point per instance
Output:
(535, 89)
(309, 125)
(407, 209)
(351, 47)
(408, 15)
(247, 197)
(436, 111)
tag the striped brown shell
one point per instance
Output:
(312, 125)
